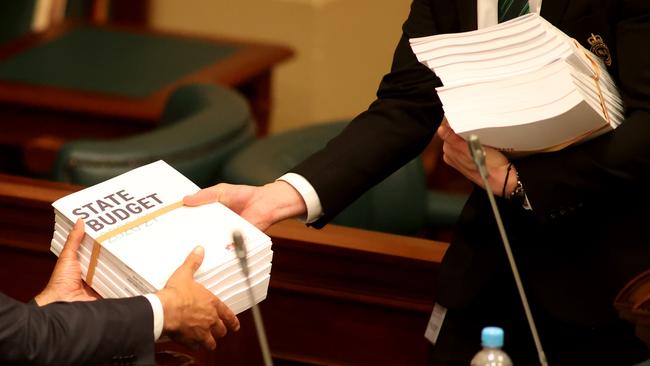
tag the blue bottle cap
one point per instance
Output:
(492, 337)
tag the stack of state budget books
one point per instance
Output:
(522, 85)
(137, 233)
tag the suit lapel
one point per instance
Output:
(467, 14)
(553, 10)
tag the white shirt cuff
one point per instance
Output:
(158, 315)
(308, 194)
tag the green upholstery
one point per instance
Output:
(111, 62)
(400, 204)
(204, 125)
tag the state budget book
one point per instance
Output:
(137, 233)
(522, 85)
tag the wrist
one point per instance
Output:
(43, 298)
(286, 202)
(504, 181)
(167, 300)
(158, 314)
(512, 181)
(516, 190)
(49, 295)
(308, 195)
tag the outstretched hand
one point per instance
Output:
(65, 283)
(262, 206)
(457, 155)
(193, 315)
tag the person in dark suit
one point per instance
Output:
(66, 324)
(585, 234)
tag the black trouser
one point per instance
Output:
(564, 344)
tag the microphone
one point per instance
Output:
(478, 155)
(240, 251)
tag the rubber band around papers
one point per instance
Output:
(596, 78)
(97, 244)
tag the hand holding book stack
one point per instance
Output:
(521, 85)
(138, 233)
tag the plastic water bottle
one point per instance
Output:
(491, 354)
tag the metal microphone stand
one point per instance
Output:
(240, 250)
(478, 154)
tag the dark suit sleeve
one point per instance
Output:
(395, 128)
(615, 166)
(77, 333)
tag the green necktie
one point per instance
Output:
(509, 9)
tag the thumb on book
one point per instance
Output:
(74, 239)
(194, 259)
(207, 195)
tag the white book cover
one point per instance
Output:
(140, 220)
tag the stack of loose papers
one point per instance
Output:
(141, 233)
(521, 85)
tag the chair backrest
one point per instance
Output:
(204, 125)
(396, 205)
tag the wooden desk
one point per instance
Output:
(633, 305)
(29, 108)
(338, 296)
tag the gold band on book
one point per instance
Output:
(601, 97)
(596, 68)
(97, 245)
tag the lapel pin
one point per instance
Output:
(600, 49)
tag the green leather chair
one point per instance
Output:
(201, 126)
(401, 204)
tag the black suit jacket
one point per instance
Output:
(105, 332)
(586, 235)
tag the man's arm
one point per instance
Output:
(76, 333)
(395, 129)
(97, 332)
(397, 126)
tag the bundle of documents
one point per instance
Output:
(138, 233)
(522, 85)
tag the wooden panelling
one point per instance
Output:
(338, 296)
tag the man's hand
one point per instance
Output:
(457, 155)
(193, 315)
(262, 206)
(65, 282)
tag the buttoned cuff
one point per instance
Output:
(308, 194)
(158, 315)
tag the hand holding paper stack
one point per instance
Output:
(521, 85)
(138, 233)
